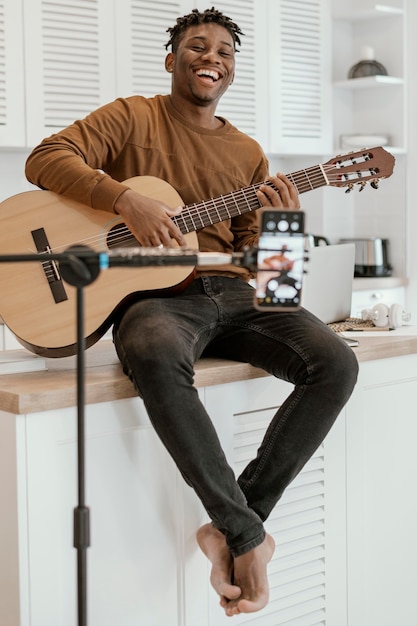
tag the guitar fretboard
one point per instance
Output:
(196, 216)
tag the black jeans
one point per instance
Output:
(158, 341)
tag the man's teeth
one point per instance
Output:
(210, 73)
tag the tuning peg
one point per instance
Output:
(375, 183)
(362, 185)
(349, 188)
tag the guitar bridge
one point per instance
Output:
(50, 267)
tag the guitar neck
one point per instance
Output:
(193, 217)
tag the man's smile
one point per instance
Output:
(208, 75)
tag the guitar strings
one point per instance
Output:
(227, 206)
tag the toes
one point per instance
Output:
(232, 609)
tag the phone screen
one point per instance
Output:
(280, 261)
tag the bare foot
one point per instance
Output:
(213, 544)
(250, 574)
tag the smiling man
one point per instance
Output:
(179, 138)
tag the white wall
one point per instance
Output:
(411, 303)
(12, 173)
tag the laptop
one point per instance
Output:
(328, 282)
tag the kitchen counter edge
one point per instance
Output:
(55, 386)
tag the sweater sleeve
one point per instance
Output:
(73, 161)
(245, 228)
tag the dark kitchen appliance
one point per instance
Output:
(371, 257)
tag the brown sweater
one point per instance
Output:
(89, 161)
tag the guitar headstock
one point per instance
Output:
(357, 168)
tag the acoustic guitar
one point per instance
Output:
(39, 306)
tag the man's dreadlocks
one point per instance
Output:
(196, 17)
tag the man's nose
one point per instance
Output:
(211, 55)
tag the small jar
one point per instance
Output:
(367, 66)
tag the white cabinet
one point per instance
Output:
(144, 518)
(63, 59)
(69, 57)
(381, 429)
(58, 57)
(140, 36)
(372, 105)
(344, 529)
(133, 519)
(309, 566)
(299, 77)
(12, 104)
(368, 298)
(7, 340)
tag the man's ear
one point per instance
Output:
(169, 62)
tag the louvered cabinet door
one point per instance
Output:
(307, 574)
(299, 74)
(69, 61)
(140, 27)
(12, 122)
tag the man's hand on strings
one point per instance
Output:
(149, 220)
(282, 195)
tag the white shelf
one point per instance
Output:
(385, 282)
(367, 82)
(398, 150)
(379, 10)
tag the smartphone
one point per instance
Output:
(280, 260)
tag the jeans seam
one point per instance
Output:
(274, 434)
(271, 440)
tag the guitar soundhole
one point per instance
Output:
(119, 236)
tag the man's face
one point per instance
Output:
(203, 65)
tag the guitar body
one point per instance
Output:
(27, 304)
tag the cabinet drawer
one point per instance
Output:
(366, 299)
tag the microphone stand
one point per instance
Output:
(80, 272)
(80, 266)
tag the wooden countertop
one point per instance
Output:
(55, 387)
